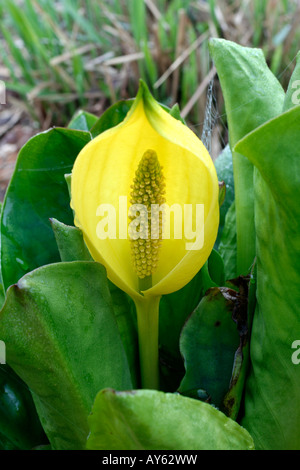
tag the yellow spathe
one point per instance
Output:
(104, 170)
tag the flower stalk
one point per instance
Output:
(147, 309)
(148, 190)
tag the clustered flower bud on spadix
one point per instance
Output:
(105, 170)
(147, 196)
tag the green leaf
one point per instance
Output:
(292, 97)
(2, 295)
(208, 343)
(37, 191)
(228, 244)
(272, 407)
(19, 424)
(216, 268)
(62, 340)
(70, 242)
(174, 310)
(224, 170)
(174, 112)
(2, 291)
(125, 314)
(222, 193)
(83, 121)
(72, 248)
(243, 315)
(252, 96)
(113, 116)
(152, 420)
(68, 180)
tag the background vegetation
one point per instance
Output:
(62, 55)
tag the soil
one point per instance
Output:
(16, 129)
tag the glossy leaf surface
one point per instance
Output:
(83, 121)
(272, 407)
(72, 248)
(62, 340)
(152, 420)
(208, 343)
(252, 96)
(37, 191)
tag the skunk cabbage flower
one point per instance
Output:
(102, 177)
(145, 195)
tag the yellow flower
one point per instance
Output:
(149, 160)
(104, 171)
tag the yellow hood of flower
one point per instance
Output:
(104, 170)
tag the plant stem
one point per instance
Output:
(147, 309)
(145, 283)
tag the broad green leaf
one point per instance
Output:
(208, 343)
(152, 420)
(272, 406)
(37, 191)
(252, 96)
(83, 121)
(215, 345)
(73, 248)
(62, 340)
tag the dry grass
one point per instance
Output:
(58, 58)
